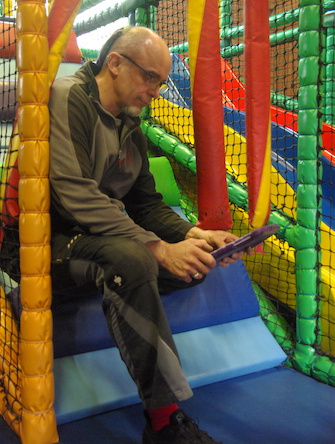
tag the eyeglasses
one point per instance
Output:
(152, 80)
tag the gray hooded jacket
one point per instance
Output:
(99, 172)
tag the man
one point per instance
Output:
(107, 217)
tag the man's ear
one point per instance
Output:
(114, 61)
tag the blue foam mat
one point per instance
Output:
(277, 406)
(92, 383)
(274, 406)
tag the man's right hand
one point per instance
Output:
(187, 259)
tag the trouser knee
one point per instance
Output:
(131, 266)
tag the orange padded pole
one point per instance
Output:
(38, 418)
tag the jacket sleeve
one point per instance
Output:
(146, 207)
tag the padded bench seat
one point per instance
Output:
(215, 325)
(225, 296)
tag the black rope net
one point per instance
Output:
(10, 386)
(272, 272)
(169, 129)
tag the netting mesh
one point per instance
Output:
(10, 385)
(273, 271)
(326, 344)
(293, 281)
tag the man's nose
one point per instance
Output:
(155, 91)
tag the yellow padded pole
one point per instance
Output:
(38, 424)
(9, 369)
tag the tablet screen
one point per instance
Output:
(251, 239)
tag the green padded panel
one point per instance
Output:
(166, 184)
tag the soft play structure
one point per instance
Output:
(242, 135)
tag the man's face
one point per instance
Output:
(140, 80)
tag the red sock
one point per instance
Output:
(160, 418)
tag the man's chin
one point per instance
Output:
(132, 111)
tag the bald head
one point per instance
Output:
(133, 63)
(133, 41)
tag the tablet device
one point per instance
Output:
(251, 239)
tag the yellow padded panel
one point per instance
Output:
(33, 122)
(39, 398)
(34, 158)
(36, 260)
(36, 361)
(36, 291)
(31, 88)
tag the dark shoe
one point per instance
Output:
(181, 430)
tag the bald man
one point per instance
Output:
(110, 226)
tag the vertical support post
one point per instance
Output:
(308, 191)
(36, 347)
(257, 106)
(329, 84)
(225, 20)
(146, 16)
(206, 87)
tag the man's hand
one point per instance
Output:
(217, 238)
(188, 259)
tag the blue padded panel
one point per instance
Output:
(79, 325)
(98, 381)
(226, 295)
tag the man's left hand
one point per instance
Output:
(217, 238)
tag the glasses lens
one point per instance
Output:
(153, 82)
(163, 89)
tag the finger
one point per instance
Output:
(206, 258)
(226, 261)
(201, 243)
(223, 263)
(237, 256)
(187, 278)
(203, 265)
(197, 276)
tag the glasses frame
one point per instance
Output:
(152, 80)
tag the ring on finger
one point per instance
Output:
(196, 276)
